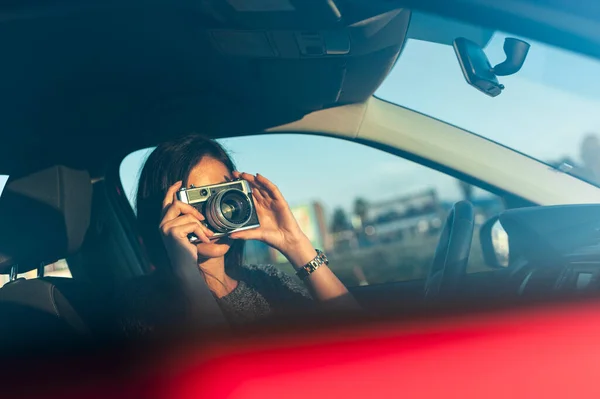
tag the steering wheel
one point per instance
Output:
(452, 253)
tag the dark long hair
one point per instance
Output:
(170, 162)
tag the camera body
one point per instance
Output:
(227, 207)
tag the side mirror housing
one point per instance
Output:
(494, 244)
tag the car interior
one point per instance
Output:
(86, 85)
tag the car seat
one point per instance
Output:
(45, 217)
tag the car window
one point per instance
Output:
(57, 269)
(547, 110)
(3, 180)
(378, 216)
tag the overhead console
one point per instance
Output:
(282, 30)
(138, 72)
(324, 52)
(142, 71)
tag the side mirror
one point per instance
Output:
(494, 244)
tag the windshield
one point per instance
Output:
(3, 180)
(549, 110)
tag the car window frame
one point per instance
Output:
(508, 200)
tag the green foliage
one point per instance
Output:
(361, 208)
(339, 221)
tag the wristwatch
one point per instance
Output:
(313, 265)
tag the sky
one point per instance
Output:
(312, 168)
(544, 111)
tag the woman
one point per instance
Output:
(238, 293)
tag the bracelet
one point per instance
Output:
(313, 265)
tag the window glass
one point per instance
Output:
(57, 269)
(548, 109)
(129, 173)
(378, 216)
(3, 179)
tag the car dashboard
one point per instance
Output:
(554, 251)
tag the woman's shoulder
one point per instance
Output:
(143, 303)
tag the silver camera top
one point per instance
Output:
(227, 206)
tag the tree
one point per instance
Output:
(467, 190)
(340, 221)
(361, 208)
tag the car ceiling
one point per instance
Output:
(84, 83)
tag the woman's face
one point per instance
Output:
(210, 171)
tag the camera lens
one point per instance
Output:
(229, 210)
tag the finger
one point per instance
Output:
(181, 228)
(188, 209)
(271, 189)
(168, 200)
(258, 190)
(252, 234)
(183, 231)
(208, 232)
(248, 177)
(236, 174)
(167, 225)
(180, 208)
(201, 234)
(251, 179)
(170, 213)
(258, 196)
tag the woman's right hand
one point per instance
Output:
(178, 222)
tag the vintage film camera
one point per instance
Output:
(227, 207)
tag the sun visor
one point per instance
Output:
(44, 217)
(330, 60)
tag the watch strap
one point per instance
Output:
(313, 265)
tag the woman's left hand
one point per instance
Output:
(279, 229)
(278, 226)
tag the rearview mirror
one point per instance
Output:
(494, 244)
(477, 69)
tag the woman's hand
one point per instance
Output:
(178, 221)
(278, 227)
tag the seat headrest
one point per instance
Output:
(43, 217)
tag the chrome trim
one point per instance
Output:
(214, 213)
(41, 270)
(182, 196)
(14, 272)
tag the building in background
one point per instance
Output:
(311, 218)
